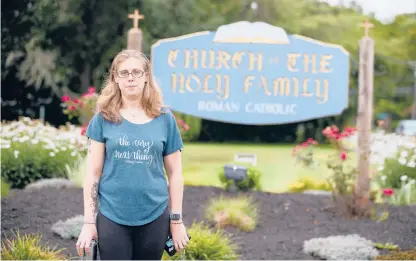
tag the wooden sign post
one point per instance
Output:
(135, 35)
(364, 120)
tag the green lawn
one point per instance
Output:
(202, 162)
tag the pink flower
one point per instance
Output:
(91, 90)
(343, 156)
(65, 98)
(186, 127)
(388, 192)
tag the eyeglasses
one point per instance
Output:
(126, 73)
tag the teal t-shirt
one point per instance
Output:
(133, 189)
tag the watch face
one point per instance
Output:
(175, 216)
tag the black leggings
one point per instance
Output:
(120, 242)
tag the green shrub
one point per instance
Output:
(32, 163)
(306, 183)
(206, 244)
(5, 187)
(252, 182)
(32, 151)
(398, 255)
(27, 247)
(240, 212)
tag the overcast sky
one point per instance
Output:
(384, 10)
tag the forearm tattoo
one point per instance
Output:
(94, 196)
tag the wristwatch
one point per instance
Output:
(175, 216)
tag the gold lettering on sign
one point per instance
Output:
(188, 83)
(206, 85)
(291, 61)
(258, 59)
(281, 86)
(223, 58)
(191, 57)
(211, 59)
(175, 81)
(309, 60)
(324, 63)
(305, 92)
(324, 94)
(203, 59)
(248, 82)
(237, 58)
(295, 87)
(223, 93)
(172, 57)
(264, 85)
(192, 83)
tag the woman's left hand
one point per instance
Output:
(179, 236)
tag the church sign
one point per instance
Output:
(253, 74)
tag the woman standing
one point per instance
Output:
(129, 208)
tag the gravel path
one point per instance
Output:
(285, 220)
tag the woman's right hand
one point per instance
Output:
(88, 233)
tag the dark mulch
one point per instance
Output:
(285, 220)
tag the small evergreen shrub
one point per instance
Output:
(341, 248)
(28, 247)
(240, 212)
(60, 183)
(206, 244)
(70, 228)
(252, 182)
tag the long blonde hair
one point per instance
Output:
(109, 101)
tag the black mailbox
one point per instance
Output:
(235, 172)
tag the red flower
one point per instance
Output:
(343, 156)
(76, 101)
(72, 108)
(388, 192)
(65, 98)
